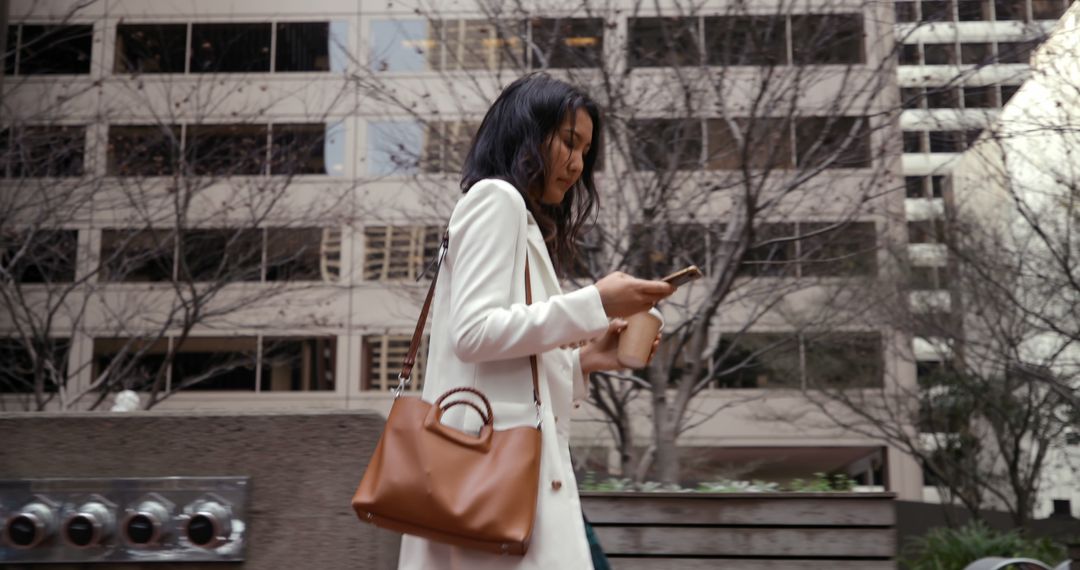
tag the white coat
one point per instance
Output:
(482, 335)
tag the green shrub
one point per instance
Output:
(953, 549)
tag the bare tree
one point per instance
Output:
(1000, 388)
(202, 214)
(728, 131)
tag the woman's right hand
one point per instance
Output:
(624, 295)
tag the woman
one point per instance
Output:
(528, 183)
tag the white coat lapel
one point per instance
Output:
(538, 252)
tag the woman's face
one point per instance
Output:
(566, 152)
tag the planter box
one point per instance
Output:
(745, 531)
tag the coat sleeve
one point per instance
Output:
(484, 324)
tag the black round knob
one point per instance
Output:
(140, 529)
(80, 530)
(22, 530)
(200, 530)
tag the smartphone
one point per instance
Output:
(684, 276)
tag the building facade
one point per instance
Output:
(304, 157)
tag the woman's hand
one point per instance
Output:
(601, 353)
(623, 295)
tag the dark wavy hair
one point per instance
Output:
(510, 145)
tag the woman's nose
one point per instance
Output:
(577, 163)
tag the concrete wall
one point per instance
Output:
(303, 469)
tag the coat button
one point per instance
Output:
(556, 485)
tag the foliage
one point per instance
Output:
(821, 482)
(948, 548)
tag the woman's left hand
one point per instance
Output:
(601, 353)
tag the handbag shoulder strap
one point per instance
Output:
(414, 345)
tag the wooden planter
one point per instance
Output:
(745, 531)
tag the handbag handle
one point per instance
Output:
(414, 344)
(487, 405)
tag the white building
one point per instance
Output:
(1016, 182)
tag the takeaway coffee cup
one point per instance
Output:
(635, 342)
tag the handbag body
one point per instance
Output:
(433, 481)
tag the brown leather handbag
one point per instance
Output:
(433, 481)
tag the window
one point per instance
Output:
(905, 11)
(137, 255)
(42, 152)
(946, 141)
(849, 249)
(928, 278)
(945, 97)
(477, 44)
(150, 48)
(297, 364)
(832, 142)
(232, 47)
(50, 50)
(758, 360)
(773, 252)
(913, 97)
(663, 42)
(143, 150)
(1007, 92)
(399, 252)
(839, 360)
(666, 144)
(563, 43)
(298, 148)
(229, 47)
(844, 360)
(1047, 9)
(22, 371)
(657, 250)
(973, 10)
(445, 145)
(383, 357)
(910, 55)
(130, 363)
(812, 249)
(1010, 9)
(226, 150)
(926, 231)
(1016, 52)
(939, 54)
(917, 186)
(215, 363)
(937, 11)
(747, 40)
(766, 144)
(982, 97)
(827, 39)
(914, 142)
(302, 46)
(937, 186)
(303, 254)
(914, 187)
(394, 147)
(293, 364)
(220, 255)
(403, 45)
(976, 53)
(41, 256)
